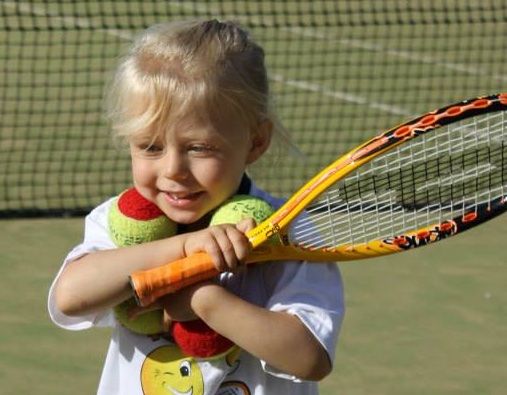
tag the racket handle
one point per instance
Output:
(149, 285)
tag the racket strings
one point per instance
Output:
(437, 176)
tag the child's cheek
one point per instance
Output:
(144, 178)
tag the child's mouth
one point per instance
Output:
(182, 200)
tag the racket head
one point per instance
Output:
(419, 182)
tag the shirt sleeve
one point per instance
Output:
(96, 237)
(313, 293)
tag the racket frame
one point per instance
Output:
(270, 241)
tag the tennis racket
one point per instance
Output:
(418, 183)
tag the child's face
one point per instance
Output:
(194, 169)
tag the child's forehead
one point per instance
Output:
(194, 126)
(166, 117)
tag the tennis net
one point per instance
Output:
(341, 71)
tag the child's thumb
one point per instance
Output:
(246, 224)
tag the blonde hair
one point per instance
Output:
(178, 68)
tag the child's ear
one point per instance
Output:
(261, 138)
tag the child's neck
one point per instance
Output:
(198, 225)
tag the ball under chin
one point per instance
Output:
(127, 231)
(240, 207)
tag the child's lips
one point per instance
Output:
(182, 199)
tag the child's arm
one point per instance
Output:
(278, 338)
(100, 279)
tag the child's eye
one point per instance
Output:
(154, 148)
(200, 148)
(149, 148)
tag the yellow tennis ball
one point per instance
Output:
(149, 323)
(240, 207)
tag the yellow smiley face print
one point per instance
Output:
(167, 371)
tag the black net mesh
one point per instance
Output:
(341, 71)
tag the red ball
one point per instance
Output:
(133, 205)
(197, 339)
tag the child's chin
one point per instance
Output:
(187, 218)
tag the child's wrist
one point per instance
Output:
(173, 248)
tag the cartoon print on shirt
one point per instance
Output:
(233, 388)
(166, 371)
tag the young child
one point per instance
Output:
(191, 101)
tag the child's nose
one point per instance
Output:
(175, 166)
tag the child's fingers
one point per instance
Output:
(214, 249)
(228, 248)
(232, 245)
(246, 224)
(240, 242)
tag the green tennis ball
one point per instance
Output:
(240, 207)
(149, 323)
(134, 220)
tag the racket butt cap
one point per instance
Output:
(140, 301)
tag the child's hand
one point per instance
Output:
(178, 306)
(226, 244)
(175, 306)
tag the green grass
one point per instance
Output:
(430, 321)
(35, 354)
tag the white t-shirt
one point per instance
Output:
(137, 364)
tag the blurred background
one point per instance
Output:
(430, 321)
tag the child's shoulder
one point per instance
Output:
(102, 209)
(96, 220)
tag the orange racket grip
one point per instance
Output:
(149, 285)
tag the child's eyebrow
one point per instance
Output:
(211, 135)
(188, 130)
